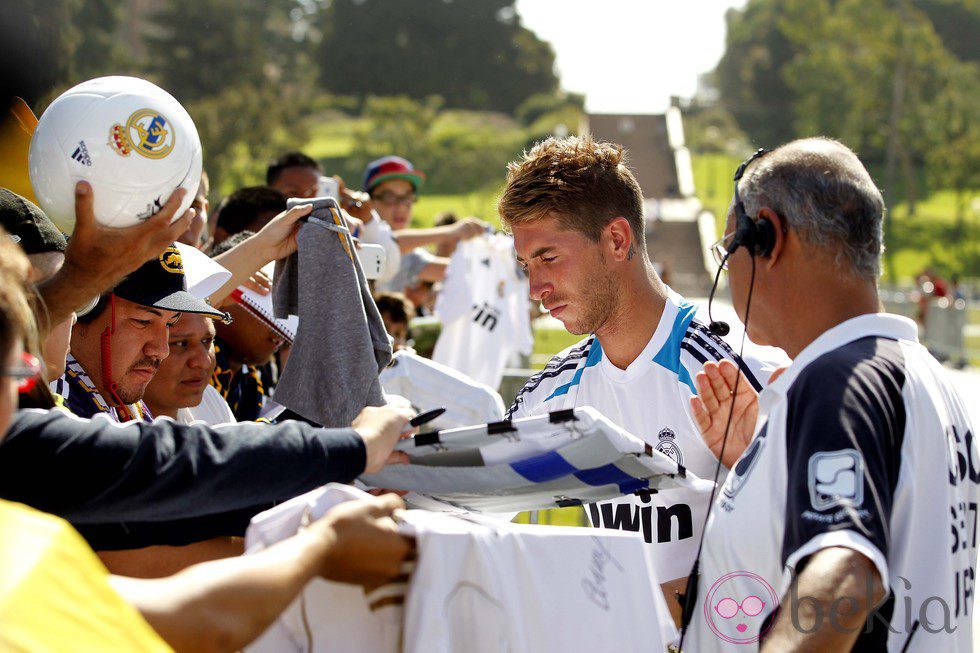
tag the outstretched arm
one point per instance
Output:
(409, 239)
(99, 257)
(224, 605)
(274, 241)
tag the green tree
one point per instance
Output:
(100, 50)
(958, 23)
(954, 158)
(473, 53)
(48, 36)
(460, 151)
(749, 73)
(199, 48)
(240, 68)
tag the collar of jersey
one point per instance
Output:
(885, 325)
(641, 364)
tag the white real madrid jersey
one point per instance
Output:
(651, 400)
(427, 385)
(478, 586)
(484, 309)
(862, 443)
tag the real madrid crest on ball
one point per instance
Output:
(130, 139)
(146, 132)
(668, 447)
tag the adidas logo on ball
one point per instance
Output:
(81, 154)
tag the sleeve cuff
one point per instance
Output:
(843, 538)
(344, 454)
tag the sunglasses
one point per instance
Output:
(751, 605)
(26, 373)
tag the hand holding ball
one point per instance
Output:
(131, 140)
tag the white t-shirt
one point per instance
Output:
(212, 410)
(479, 585)
(650, 399)
(484, 309)
(862, 443)
(428, 385)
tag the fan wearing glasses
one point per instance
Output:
(393, 185)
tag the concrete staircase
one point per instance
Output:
(680, 247)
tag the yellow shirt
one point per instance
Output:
(55, 594)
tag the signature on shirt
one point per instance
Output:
(594, 583)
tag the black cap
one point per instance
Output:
(160, 283)
(28, 224)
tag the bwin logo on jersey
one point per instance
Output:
(668, 447)
(836, 478)
(486, 316)
(81, 154)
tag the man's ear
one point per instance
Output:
(780, 231)
(622, 245)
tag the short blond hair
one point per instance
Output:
(585, 182)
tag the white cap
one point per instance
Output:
(203, 274)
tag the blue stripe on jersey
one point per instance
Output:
(543, 468)
(669, 355)
(595, 355)
(609, 475)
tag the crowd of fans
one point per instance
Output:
(100, 335)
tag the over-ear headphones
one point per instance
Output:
(759, 238)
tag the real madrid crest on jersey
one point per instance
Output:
(668, 447)
(147, 132)
(170, 260)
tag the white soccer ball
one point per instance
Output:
(130, 139)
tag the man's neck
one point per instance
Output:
(807, 315)
(629, 329)
(94, 373)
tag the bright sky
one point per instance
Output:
(630, 56)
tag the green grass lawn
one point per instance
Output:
(330, 138)
(481, 204)
(548, 342)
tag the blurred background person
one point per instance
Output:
(396, 312)
(294, 174)
(197, 235)
(393, 185)
(247, 209)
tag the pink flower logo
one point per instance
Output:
(736, 606)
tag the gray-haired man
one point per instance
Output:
(849, 519)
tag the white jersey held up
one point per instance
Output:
(651, 400)
(484, 309)
(863, 444)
